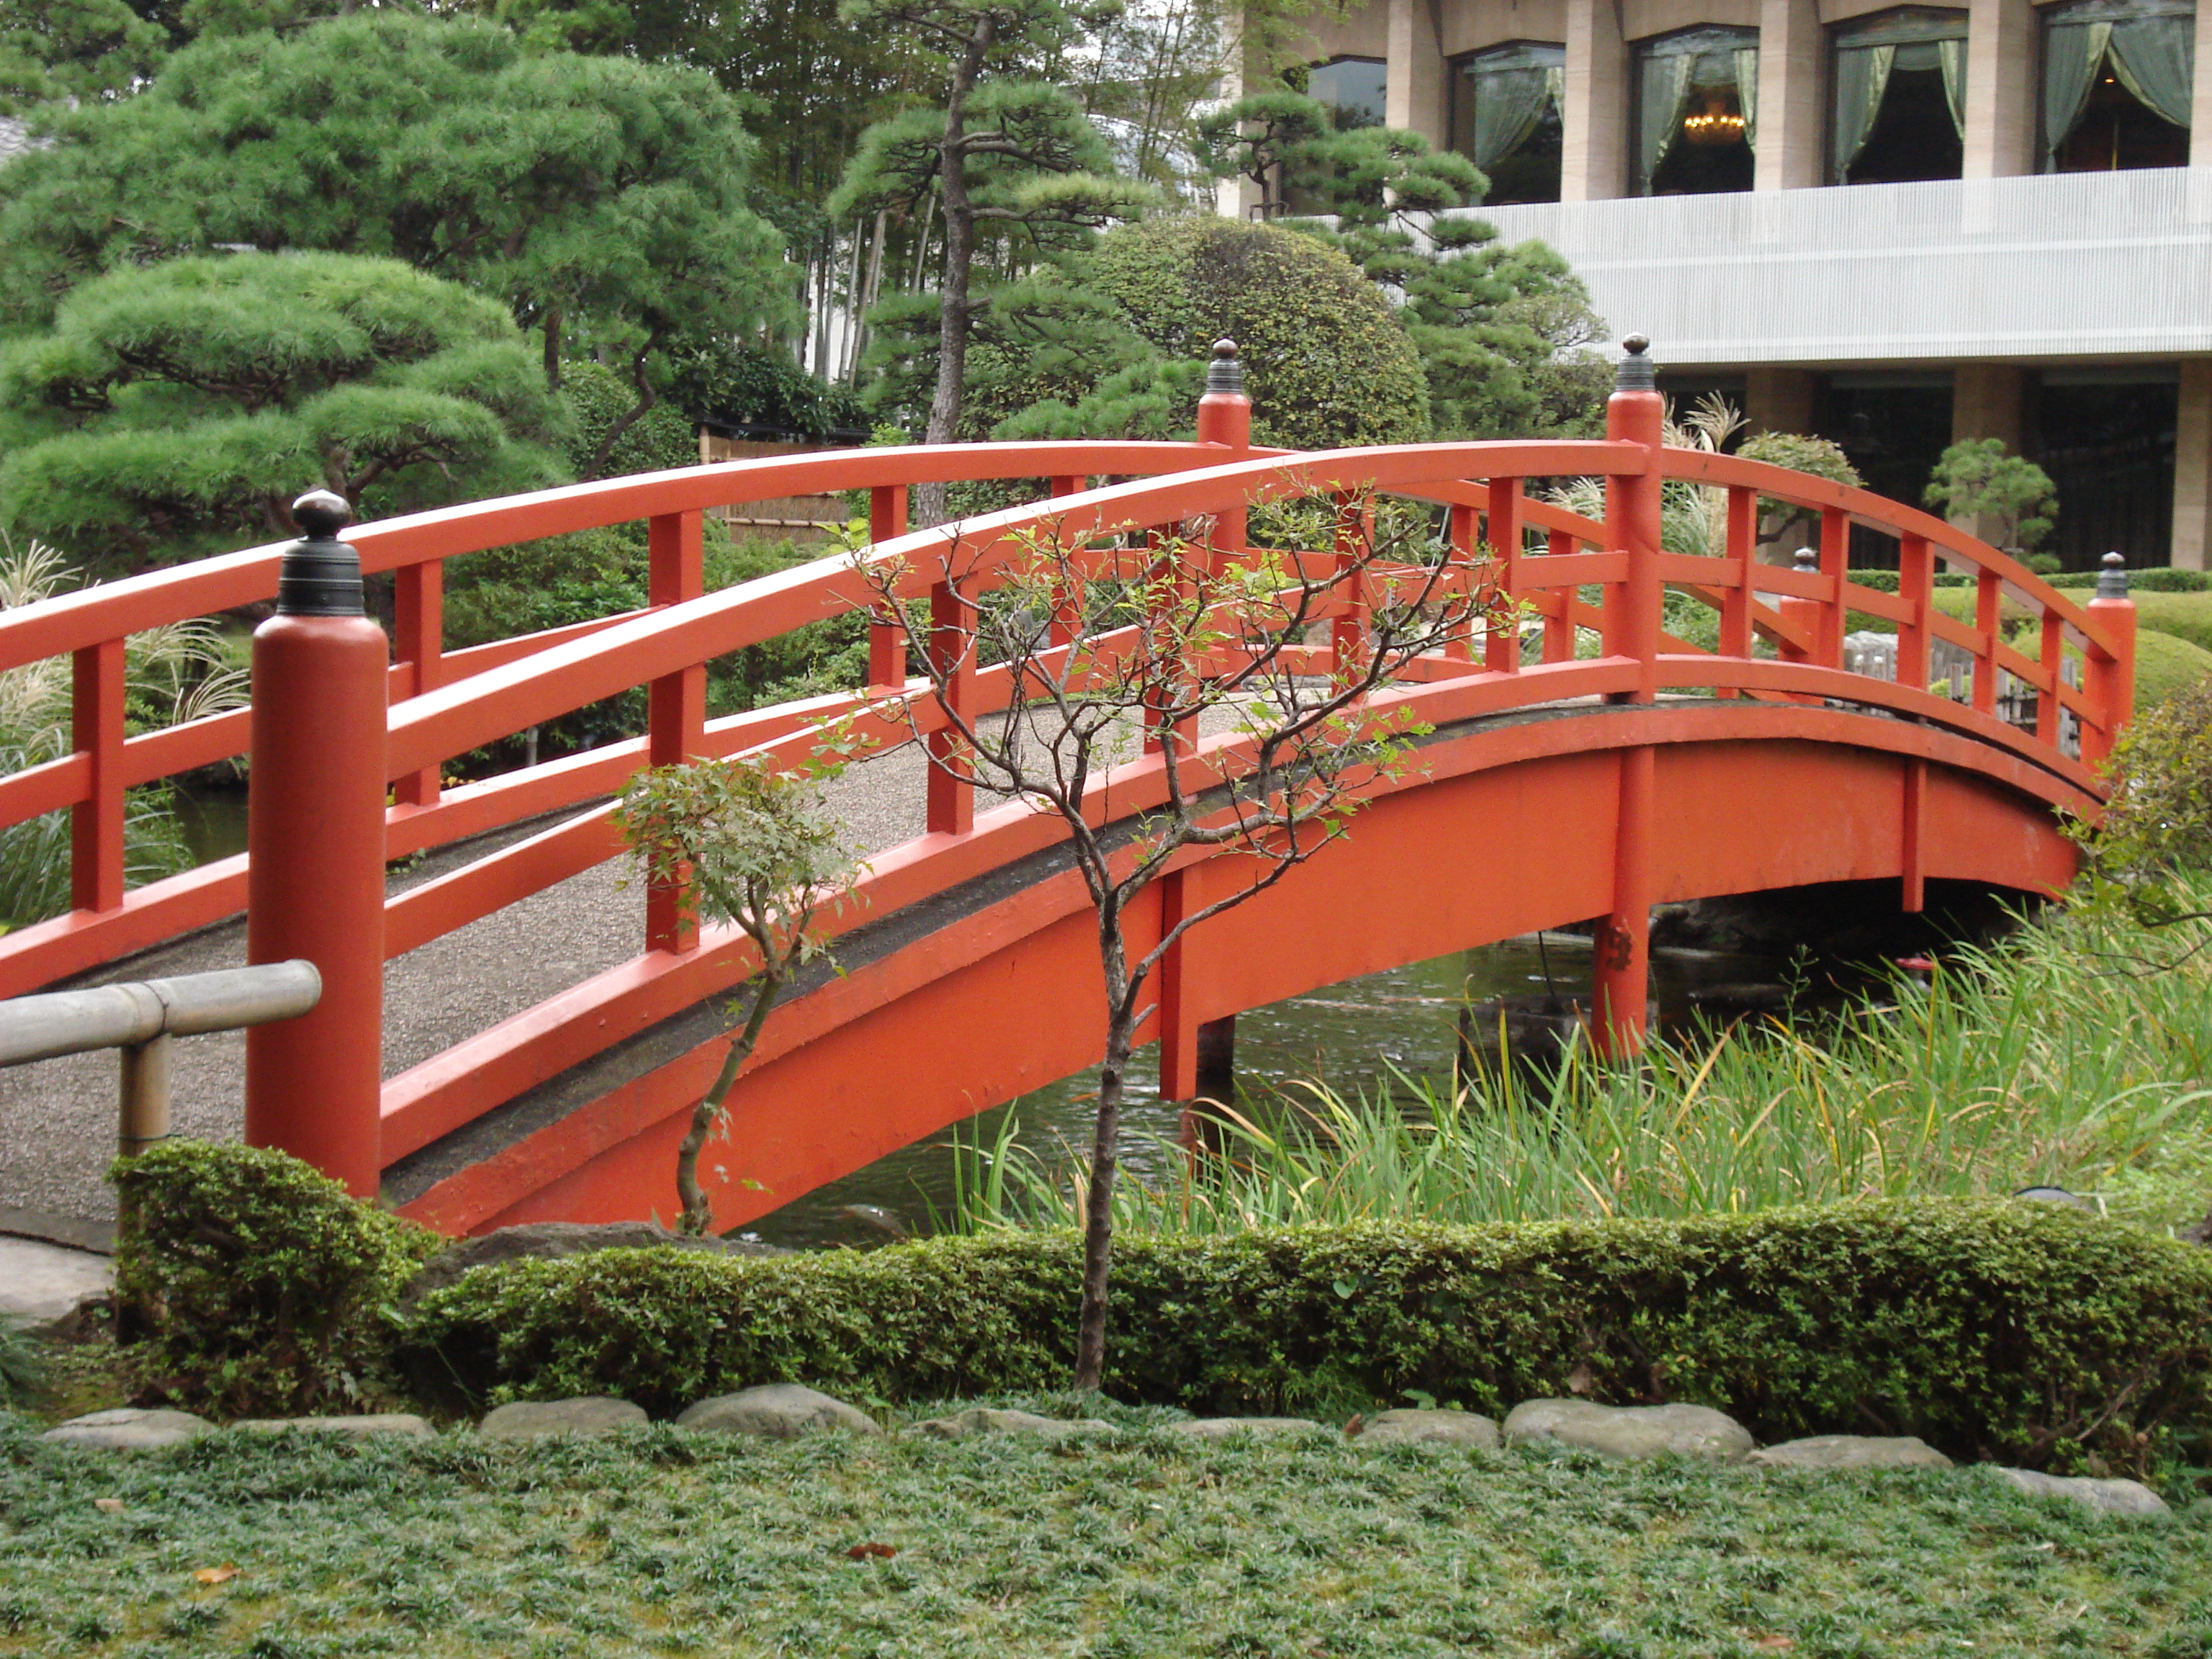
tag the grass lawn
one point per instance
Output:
(662, 1542)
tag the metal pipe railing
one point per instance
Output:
(141, 1017)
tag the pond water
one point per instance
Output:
(213, 822)
(1353, 1036)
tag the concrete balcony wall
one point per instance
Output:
(2045, 268)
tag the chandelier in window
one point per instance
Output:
(1715, 124)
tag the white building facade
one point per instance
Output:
(1894, 225)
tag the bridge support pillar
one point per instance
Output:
(1622, 975)
(1634, 414)
(315, 841)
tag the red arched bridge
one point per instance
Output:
(1554, 786)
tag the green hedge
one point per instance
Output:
(259, 1287)
(2157, 578)
(2024, 1332)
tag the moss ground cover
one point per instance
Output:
(1146, 1544)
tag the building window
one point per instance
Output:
(2117, 77)
(1354, 89)
(1505, 117)
(1900, 98)
(1696, 111)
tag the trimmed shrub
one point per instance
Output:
(2157, 578)
(262, 1288)
(1327, 361)
(2165, 666)
(2184, 616)
(2028, 1333)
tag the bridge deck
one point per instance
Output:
(58, 1118)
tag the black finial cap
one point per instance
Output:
(1225, 373)
(1806, 561)
(1635, 373)
(2112, 577)
(320, 576)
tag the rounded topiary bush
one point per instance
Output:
(2165, 666)
(259, 1287)
(1326, 359)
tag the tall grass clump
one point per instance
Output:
(172, 674)
(2059, 1059)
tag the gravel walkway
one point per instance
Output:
(58, 1119)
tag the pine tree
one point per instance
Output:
(1007, 158)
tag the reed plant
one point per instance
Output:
(174, 673)
(2078, 1055)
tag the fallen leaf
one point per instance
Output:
(1774, 1644)
(868, 1551)
(221, 1575)
(108, 1505)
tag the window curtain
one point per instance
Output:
(1861, 78)
(2155, 59)
(1665, 90)
(1509, 102)
(1746, 91)
(1952, 55)
(2071, 53)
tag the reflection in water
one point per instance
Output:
(213, 822)
(1352, 1037)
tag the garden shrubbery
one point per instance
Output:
(259, 1286)
(2025, 1332)
(2019, 1331)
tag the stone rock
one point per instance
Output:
(1850, 1451)
(2113, 1496)
(1429, 1428)
(777, 1410)
(130, 1428)
(48, 1287)
(400, 1423)
(1631, 1431)
(984, 1420)
(533, 1419)
(552, 1240)
(1220, 1428)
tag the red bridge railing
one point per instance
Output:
(1583, 585)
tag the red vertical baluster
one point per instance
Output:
(1805, 617)
(951, 773)
(1736, 600)
(1559, 628)
(1460, 537)
(1835, 570)
(1989, 596)
(1067, 604)
(1501, 648)
(2047, 723)
(1348, 632)
(886, 640)
(419, 642)
(676, 709)
(1916, 585)
(96, 705)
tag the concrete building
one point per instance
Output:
(1893, 224)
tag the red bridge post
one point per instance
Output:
(315, 841)
(1635, 414)
(2110, 680)
(1196, 1056)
